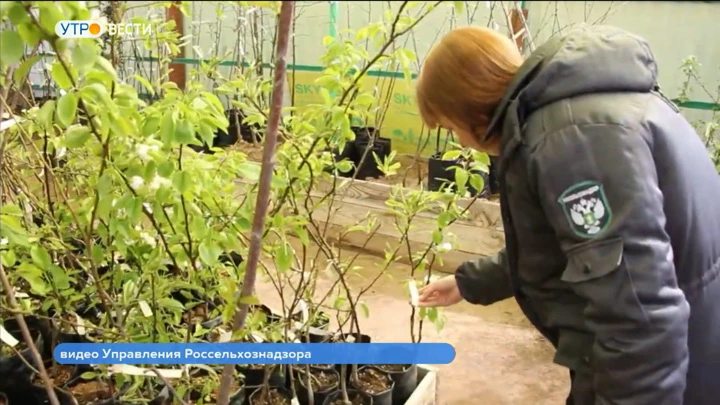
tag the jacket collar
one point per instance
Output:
(523, 76)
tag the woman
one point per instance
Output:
(610, 204)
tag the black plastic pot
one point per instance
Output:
(379, 398)
(255, 376)
(369, 168)
(405, 381)
(242, 396)
(232, 258)
(15, 367)
(441, 175)
(29, 394)
(349, 153)
(363, 133)
(356, 338)
(356, 398)
(319, 395)
(280, 390)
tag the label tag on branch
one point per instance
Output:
(414, 295)
(7, 338)
(304, 311)
(145, 308)
(79, 325)
(132, 370)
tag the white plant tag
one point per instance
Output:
(350, 339)
(7, 338)
(132, 370)
(80, 325)
(225, 337)
(295, 401)
(257, 337)
(304, 311)
(145, 308)
(414, 295)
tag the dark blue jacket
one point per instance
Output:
(611, 210)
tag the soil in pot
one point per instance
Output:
(272, 396)
(405, 377)
(63, 375)
(369, 167)
(323, 382)
(232, 258)
(376, 383)
(356, 398)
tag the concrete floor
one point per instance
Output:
(500, 358)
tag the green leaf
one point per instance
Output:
(12, 47)
(59, 277)
(33, 276)
(171, 304)
(89, 375)
(84, 56)
(365, 310)
(30, 34)
(167, 127)
(45, 114)
(184, 132)
(182, 181)
(17, 13)
(477, 182)
(105, 65)
(41, 257)
(67, 108)
(22, 71)
(452, 155)
(76, 136)
(284, 257)
(50, 15)
(145, 83)
(461, 178)
(302, 234)
(209, 252)
(60, 76)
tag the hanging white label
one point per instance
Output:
(7, 338)
(414, 295)
(305, 316)
(145, 308)
(132, 370)
(80, 325)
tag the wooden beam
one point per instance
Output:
(518, 27)
(178, 74)
(478, 235)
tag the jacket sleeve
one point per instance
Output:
(484, 281)
(599, 189)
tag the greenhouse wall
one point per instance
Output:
(675, 30)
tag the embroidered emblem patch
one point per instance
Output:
(586, 208)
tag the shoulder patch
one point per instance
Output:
(586, 208)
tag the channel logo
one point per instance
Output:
(79, 29)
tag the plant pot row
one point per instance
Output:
(236, 130)
(367, 141)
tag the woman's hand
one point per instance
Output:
(440, 293)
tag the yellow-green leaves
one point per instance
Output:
(209, 252)
(84, 55)
(61, 77)
(76, 136)
(50, 15)
(67, 109)
(167, 127)
(30, 34)
(22, 71)
(284, 255)
(11, 47)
